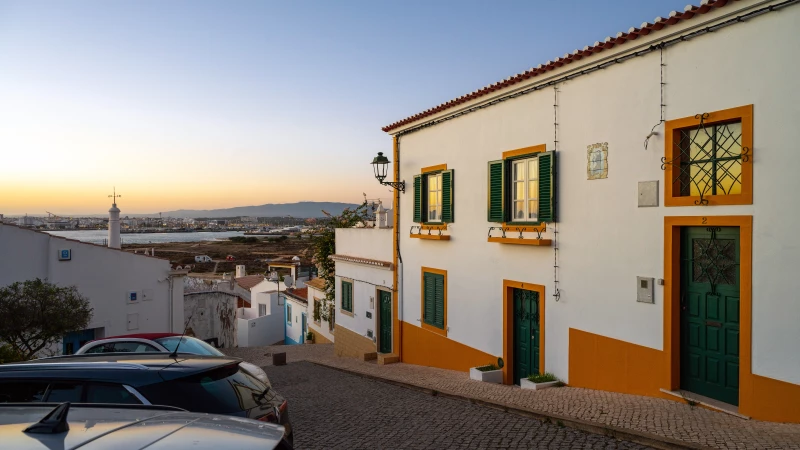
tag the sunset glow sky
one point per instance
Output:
(201, 104)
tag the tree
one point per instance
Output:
(324, 245)
(36, 314)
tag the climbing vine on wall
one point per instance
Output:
(325, 246)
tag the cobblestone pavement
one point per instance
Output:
(654, 416)
(333, 409)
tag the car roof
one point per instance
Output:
(150, 336)
(124, 426)
(134, 369)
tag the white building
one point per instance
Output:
(128, 293)
(557, 228)
(261, 322)
(296, 313)
(322, 328)
(364, 315)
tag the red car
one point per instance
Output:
(230, 258)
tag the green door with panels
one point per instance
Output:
(710, 312)
(386, 321)
(526, 334)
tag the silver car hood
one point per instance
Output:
(121, 429)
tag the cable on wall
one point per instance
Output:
(662, 105)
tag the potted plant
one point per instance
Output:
(537, 381)
(310, 337)
(489, 373)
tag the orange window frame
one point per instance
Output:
(672, 130)
(425, 326)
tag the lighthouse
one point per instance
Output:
(113, 223)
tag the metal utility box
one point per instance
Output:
(644, 289)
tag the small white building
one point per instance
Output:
(261, 321)
(323, 329)
(128, 293)
(296, 325)
(364, 310)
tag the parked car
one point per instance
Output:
(161, 342)
(197, 383)
(230, 258)
(122, 427)
(202, 259)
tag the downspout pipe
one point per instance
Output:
(398, 260)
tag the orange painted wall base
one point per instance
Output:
(599, 362)
(425, 348)
(606, 364)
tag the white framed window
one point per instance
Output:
(525, 190)
(435, 198)
(262, 310)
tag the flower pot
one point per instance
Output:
(491, 376)
(527, 384)
(309, 341)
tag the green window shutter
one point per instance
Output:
(439, 299)
(347, 296)
(418, 198)
(547, 187)
(496, 210)
(447, 197)
(429, 298)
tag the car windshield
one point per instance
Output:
(189, 345)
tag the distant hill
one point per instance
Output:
(300, 209)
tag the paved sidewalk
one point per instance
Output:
(656, 417)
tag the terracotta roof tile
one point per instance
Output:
(298, 294)
(633, 33)
(249, 281)
(317, 283)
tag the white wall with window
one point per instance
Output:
(316, 297)
(295, 312)
(604, 239)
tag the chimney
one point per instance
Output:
(240, 272)
(113, 227)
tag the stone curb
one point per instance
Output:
(639, 437)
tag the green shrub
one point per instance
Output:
(542, 378)
(8, 355)
(487, 368)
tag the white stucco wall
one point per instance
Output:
(369, 243)
(604, 239)
(103, 275)
(366, 280)
(323, 328)
(294, 324)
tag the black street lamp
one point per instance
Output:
(381, 165)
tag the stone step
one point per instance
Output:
(369, 356)
(387, 358)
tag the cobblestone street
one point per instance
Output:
(332, 409)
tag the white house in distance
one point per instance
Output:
(619, 216)
(128, 293)
(323, 329)
(296, 316)
(364, 282)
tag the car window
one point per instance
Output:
(133, 347)
(108, 393)
(102, 348)
(189, 345)
(22, 391)
(65, 392)
(225, 390)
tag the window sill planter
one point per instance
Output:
(527, 384)
(518, 241)
(432, 237)
(489, 376)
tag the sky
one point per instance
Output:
(216, 104)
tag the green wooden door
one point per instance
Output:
(386, 321)
(710, 312)
(526, 334)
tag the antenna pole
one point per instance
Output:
(174, 354)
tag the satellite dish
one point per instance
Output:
(288, 281)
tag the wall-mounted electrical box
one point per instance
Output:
(369, 315)
(644, 289)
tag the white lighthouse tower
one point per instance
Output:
(113, 223)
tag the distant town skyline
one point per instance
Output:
(205, 105)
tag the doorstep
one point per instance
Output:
(708, 402)
(387, 358)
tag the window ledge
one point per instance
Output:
(346, 312)
(432, 237)
(518, 241)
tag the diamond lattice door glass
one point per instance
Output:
(710, 312)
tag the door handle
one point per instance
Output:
(683, 301)
(713, 323)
